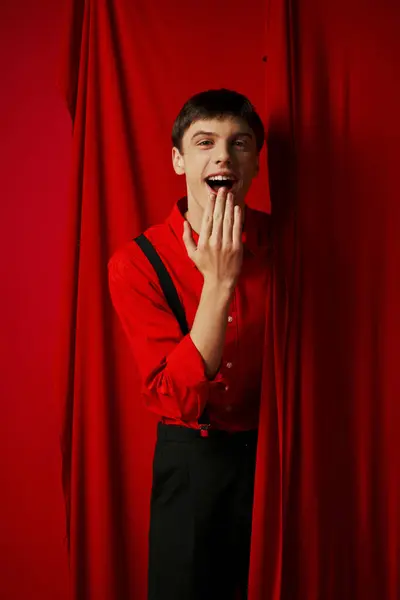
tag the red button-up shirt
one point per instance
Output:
(175, 385)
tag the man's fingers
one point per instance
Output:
(219, 213)
(207, 221)
(228, 221)
(188, 239)
(237, 227)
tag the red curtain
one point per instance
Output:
(129, 66)
(327, 495)
(325, 79)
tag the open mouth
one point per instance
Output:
(219, 181)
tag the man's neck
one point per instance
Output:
(194, 216)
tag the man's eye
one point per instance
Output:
(205, 143)
(240, 143)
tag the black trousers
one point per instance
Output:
(201, 512)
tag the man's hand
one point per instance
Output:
(219, 252)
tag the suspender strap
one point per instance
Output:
(166, 283)
(169, 291)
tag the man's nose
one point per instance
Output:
(222, 154)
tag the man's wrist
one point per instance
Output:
(221, 291)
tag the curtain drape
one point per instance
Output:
(127, 69)
(327, 497)
(324, 76)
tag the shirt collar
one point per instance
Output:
(254, 239)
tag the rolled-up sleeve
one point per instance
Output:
(175, 384)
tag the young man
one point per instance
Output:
(204, 383)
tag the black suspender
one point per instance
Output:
(167, 285)
(170, 293)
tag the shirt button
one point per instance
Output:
(226, 388)
(228, 408)
(230, 319)
(229, 365)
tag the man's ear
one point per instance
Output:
(178, 162)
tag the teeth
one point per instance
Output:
(220, 178)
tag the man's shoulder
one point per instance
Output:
(129, 258)
(160, 235)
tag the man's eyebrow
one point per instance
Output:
(243, 134)
(202, 133)
(210, 133)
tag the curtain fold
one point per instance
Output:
(334, 430)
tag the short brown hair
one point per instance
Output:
(217, 104)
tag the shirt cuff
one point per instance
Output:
(187, 364)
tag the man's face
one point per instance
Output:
(217, 152)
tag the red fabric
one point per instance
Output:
(328, 478)
(175, 385)
(326, 516)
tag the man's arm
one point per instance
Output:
(218, 256)
(171, 369)
(177, 372)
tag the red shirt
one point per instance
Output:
(175, 385)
